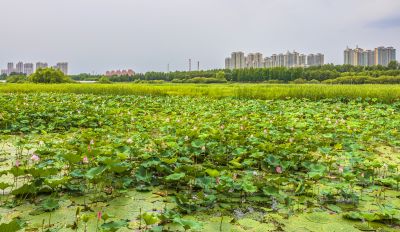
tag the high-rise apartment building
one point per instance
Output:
(10, 68)
(370, 57)
(348, 56)
(268, 62)
(311, 59)
(41, 65)
(274, 61)
(254, 60)
(250, 60)
(227, 63)
(315, 59)
(291, 59)
(319, 60)
(19, 67)
(302, 60)
(258, 60)
(378, 56)
(383, 56)
(63, 66)
(238, 60)
(28, 68)
(280, 60)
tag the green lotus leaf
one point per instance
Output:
(50, 204)
(13, 226)
(175, 176)
(114, 225)
(212, 172)
(95, 172)
(188, 224)
(150, 219)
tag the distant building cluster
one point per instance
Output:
(128, 72)
(238, 60)
(360, 57)
(28, 68)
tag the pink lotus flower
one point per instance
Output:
(362, 174)
(341, 169)
(85, 160)
(35, 158)
(99, 214)
(278, 169)
(17, 163)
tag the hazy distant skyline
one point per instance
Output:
(146, 35)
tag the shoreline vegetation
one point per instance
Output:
(368, 92)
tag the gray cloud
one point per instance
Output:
(97, 35)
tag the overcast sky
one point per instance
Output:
(99, 35)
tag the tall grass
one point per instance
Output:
(384, 93)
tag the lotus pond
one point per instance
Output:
(82, 162)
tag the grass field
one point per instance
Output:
(384, 93)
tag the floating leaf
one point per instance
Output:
(175, 176)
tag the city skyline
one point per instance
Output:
(238, 60)
(28, 68)
(130, 37)
(366, 57)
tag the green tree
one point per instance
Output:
(393, 65)
(104, 80)
(48, 75)
(17, 79)
(220, 75)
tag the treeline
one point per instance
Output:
(364, 80)
(271, 75)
